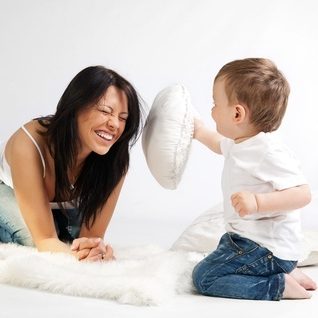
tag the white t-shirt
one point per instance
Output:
(262, 164)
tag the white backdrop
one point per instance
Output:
(154, 43)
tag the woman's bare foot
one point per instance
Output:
(303, 280)
(293, 290)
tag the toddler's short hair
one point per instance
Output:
(257, 84)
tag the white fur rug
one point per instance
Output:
(144, 275)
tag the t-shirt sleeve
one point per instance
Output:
(281, 168)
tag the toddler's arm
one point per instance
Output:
(289, 199)
(207, 136)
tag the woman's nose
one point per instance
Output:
(113, 122)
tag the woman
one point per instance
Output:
(62, 174)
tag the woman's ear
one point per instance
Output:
(239, 113)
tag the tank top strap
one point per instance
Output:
(37, 147)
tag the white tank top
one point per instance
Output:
(5, 171)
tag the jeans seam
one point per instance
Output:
(233, 243)
(247, 266)
(237, 247)
(280, 266)
(280, 287)
(223, 263)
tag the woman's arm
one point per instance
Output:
(31, 193)
(98, 230)
(207, 136)
(102, 220)
(278, 201)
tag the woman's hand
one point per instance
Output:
(91, 249)
(96, 255)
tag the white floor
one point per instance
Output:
(16, 302)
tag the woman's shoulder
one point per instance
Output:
(22, 142)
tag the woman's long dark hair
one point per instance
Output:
(100, 173)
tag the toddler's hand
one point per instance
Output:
(244, 203)
(198, 124)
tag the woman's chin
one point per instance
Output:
(102, 150)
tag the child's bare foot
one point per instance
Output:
(303, 280)
(293, 290)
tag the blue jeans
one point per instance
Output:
(240, 268)
(14, 230)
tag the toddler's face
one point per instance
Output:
(222, 111)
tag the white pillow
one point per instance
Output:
(204, 233)
(167, 135)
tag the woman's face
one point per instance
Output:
(102, 124)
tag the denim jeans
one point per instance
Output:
(240, 268)
(14, 230)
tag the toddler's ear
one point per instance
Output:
(239, 113)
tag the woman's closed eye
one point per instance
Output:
(110, 112)
(123, 117)
(105, 110)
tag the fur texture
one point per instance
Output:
(144, 275)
